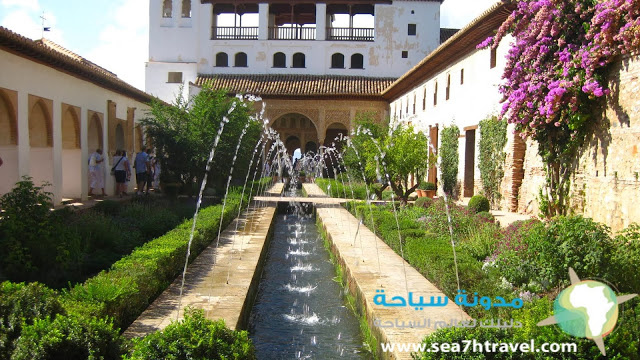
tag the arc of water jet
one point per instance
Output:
(225, 120)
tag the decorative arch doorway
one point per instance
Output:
(8, 140)
(71, 153)
(300, 127)
(41, 141)
(331, 139)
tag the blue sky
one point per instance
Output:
(114, 33)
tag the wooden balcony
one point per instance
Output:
(292, 33)
(234, 33)
(350, 34)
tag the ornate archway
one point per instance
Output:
(298, 126)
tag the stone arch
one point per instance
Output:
(94, 133)
(292, 143)
(8, 123)
(119, 137)
(333, 131)
(296, 124)
(70, 129)
(40, 129)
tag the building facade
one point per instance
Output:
(56, 108)
(367, 38)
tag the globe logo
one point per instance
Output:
(587, 309)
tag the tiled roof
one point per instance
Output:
(61, 59)
(446, 33)
(456, 47)
(74, 56)
(275, 85)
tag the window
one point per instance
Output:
(298, 60)
(357, 61)
(493, 58)
(222, 59)
(279, 60)
(435, 94)
(461, 76)
(174, 77)
(407, 106)
(240, 60)
(186, 8)
(166, 8)
(411, 29)
(405, 54)
(337, 61)
(424, 99)
(448, 87)
(414, 103)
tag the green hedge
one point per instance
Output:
(343, 191)
(125, 290)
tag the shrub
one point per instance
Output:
(449, 157)
(20, 305)
(194, 338)
(35, 242)
(428, 186)
(479, 203)
(134, 281)
(423, 202)
(624, 270)
(108, 207)
(481, 241)
(69, 337)
(486, 217)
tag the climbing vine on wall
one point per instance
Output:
(449, 157)
(493, 138)
(556, 76)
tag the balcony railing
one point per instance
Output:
(350, 34)
(234, 33)
(292, 33)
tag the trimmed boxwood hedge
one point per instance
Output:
(125, 290)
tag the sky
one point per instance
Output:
(114, 33)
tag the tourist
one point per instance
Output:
(96, 172)
(120, 171)
(141, 164)
(128, 169)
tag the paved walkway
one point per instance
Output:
(371, 266)
(226, 288)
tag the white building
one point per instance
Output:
(368, 38)
(55, 109)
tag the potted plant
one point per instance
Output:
(430, 189)
(302, 176)
(420, 191)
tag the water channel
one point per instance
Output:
(300, 312)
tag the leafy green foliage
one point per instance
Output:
(479, 203)
(449, 158)
(184, 134)
(335, 188)
(20, 304)
(423, 202)
(491, 156)
(196, 338)
(69, 337)
(406, 155)
(36, 243)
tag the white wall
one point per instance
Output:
(27, 77)
(469, 103)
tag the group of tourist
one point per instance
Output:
(146, 166)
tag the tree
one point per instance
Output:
(556, 76)
(184, 133)
(363, 154)
(449, 158)
(406, 155)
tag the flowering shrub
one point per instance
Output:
(556, 75)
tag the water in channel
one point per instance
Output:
(300, 312)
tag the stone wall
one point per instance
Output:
(606, 185)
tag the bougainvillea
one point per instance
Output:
(555, 78)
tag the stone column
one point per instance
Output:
(84, 153)
(321, 21)
(263, 21)
(24, 147)
(56, 118)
